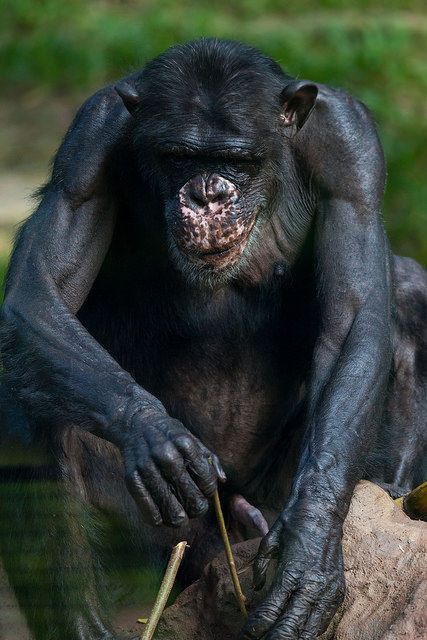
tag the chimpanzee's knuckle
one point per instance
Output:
(310, 590)
(288, 630)
(308, 634)
(289, 579)
(169, 427)
(174, 519)
(316, 583)
(196, 507)
(165, 455)
(185, 443)
(267, 613)
(201, 508)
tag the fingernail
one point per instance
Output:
(202, 507)
(219, 471)
(179, 519)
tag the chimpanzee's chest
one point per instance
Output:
(230, 364)
(231, 375)
(236, 397)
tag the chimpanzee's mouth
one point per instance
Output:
(218, 257)
(214, 239)
(214, 252)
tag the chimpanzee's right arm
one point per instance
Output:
(52, 365)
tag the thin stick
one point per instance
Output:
(229, 553)
(165, 589)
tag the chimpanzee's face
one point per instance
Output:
(208, 135)
(211, 202)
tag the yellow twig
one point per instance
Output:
(165, 589)
(229, 553)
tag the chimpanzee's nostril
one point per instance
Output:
(197, 191)
(217, 188)
(198, 198)
(205, 190)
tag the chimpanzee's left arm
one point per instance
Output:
(340, 150)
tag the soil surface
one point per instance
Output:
(386, 577)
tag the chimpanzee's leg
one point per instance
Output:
(44, 524)
(58, 500)
(399, 462)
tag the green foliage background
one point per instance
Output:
(376, 51)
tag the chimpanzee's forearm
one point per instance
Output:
(343, 424)
(352, 357)
(58, 372)
(52, 365)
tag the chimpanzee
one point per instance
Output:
(205, 292)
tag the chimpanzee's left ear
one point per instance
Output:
(130, 96)
(298, 99)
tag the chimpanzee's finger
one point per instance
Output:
(202, 472)
(190, 495)
(143, 499)
(268, 549)
(265, 616)
(171, 510)
(294, 617)
(317, 622)
(171, 465)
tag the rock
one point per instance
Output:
(385, 570)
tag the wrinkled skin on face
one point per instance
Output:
(210, 224)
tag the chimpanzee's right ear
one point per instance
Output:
(128, 93)
(298, 99)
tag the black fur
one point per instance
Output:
(128, 363)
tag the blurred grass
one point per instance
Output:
(376, 51)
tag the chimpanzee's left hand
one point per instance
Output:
(309, 583)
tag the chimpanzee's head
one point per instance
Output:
(209, 131)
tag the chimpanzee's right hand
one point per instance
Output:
(168, 470)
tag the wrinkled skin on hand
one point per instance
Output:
(309, 583)
(168, 471)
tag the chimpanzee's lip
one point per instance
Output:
(219, 257)
(216, 252)
(215, 255)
